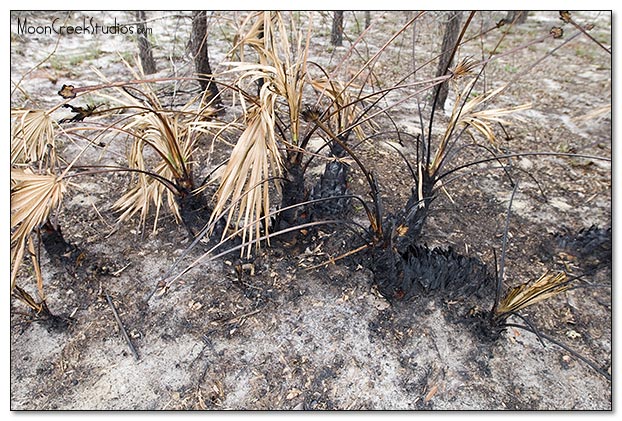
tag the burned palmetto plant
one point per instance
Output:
(588, 249)
(275, 118)
(394, 236)
(339, 122)
(273, 148)
(162, 150)
(442, 272)
(273, 152)
(489, 325)
(271, 121)
(401, 231)
(39, 182)
(40, 175)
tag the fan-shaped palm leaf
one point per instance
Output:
(33, 197)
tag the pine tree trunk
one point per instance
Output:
(452, 31)
(144, 47)
(336, 35)
(516, 16)
(198, 43)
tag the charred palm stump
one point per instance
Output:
(293, 193)
(332, 184)
(430, 270)
(392, 256)
(421, 271)
(194, 212)
(406, 229)
(461, 283)
(61, 252)
(590, 248)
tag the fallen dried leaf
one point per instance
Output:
(572, 334)
(194, 305)
(67, 92)
(431, 393)
(292, 394)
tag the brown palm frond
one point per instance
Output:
(466, 114)
(245, 178)
(146, 192)
(32, 137)
(33, 197)
(482, 120)
(151, 124)
(255, 159)
(173, 146)
(280, 63)
(172, 135)
(469, 116)
(251, 33)
(527, 294)
(291, 74)
(338, 93)
(464, 68)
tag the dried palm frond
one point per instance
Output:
(32, 137)
(173, 144)
(291, 72)
(172, 135)
(466, 114)
(33, 197)
(281, 73)
(464, 68)
(479, 120)
(148, 191)
(283, 65)
(251, 33)
(341, 98)
(153, 126)
(244, 182)
(527, 294)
